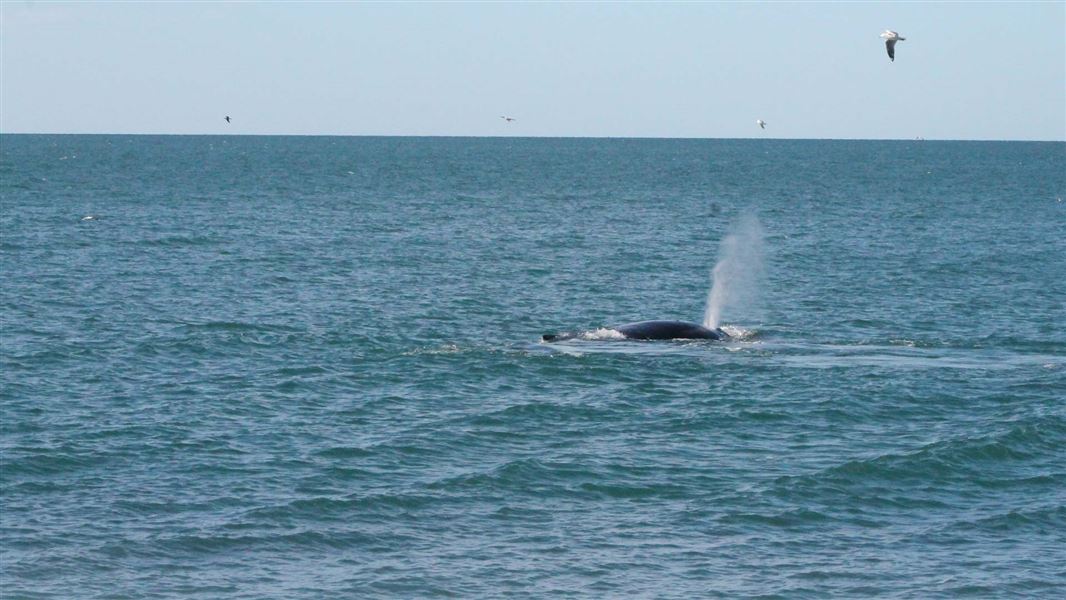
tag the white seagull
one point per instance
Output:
(891, 37)
(760, 123)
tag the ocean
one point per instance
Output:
(312, 367)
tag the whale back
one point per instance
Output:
(653, 330)
(669, 330)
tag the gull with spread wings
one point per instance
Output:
(891, 37)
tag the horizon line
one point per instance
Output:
(565, 137)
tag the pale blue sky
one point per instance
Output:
(813, 70)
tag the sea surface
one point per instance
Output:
(311, 367)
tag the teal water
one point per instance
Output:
(288, 367)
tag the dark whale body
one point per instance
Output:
(669, 330)
(656, 330)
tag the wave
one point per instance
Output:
(795, 517)
(931, 475)
(239, 326)
(312, 539)
(329, 509)
(33, 461)
(170, 241)
(1013, 521)
(532, 477)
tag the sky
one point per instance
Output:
(967, 70)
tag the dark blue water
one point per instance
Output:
(284, 367)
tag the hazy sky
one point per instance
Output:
(816, 70)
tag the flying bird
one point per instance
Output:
(227, 118)
(508, 119)
(891, 37)
(760, 123)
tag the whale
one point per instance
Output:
(654, 330)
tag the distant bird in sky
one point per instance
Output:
(227, 118)
(760, 123)
(508, 119)
(891, 37)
